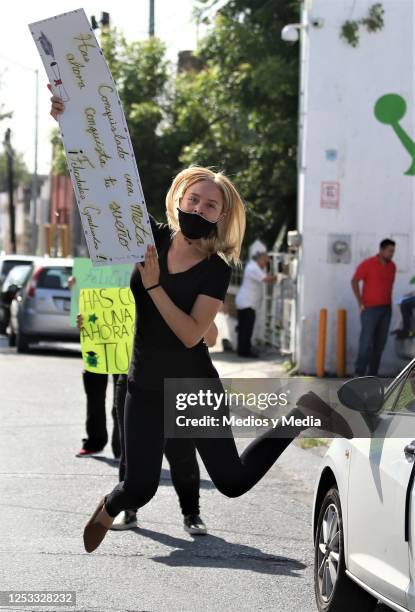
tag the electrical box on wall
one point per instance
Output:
(339, 248)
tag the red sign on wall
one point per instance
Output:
(330, 194)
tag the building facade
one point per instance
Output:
(356, 165)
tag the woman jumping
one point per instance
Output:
(178, 294)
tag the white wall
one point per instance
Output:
(376, 197)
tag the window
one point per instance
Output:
(9, 264)
(54, 278)
(17, 276)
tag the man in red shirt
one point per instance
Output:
(378, 275)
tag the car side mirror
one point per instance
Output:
(365, 394)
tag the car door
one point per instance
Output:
(379, 481)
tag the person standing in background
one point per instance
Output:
(407, 305)
(248, 300)
(378, 275)
(95, 386)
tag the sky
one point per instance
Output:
(19, 58)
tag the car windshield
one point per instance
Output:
(54, 278)
(16, 276)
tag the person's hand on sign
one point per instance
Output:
(71, 281)
(57, 105)
(150, 271)
(79, 321)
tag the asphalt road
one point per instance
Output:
(258, 554)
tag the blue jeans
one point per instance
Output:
(375, 322)
(407, 305)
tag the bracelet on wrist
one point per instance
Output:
(152, 287)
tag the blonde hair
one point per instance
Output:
(230, 230)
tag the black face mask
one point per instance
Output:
(194, 226)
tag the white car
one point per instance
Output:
(364, 503)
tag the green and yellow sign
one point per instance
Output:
(88, 276)
(107, 330)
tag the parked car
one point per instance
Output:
(364, 503)
(7, 263)
(13, 282)
(40, 310)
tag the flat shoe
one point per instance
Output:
(94, 533)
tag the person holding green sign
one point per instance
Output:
(95, 387)
(178, 290)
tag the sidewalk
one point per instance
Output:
(230, 365)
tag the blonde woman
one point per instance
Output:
(178, 292)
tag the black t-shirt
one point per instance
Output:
(157, 352)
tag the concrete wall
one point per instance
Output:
(344, 144)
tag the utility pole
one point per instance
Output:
(151, 20)
(10, 186)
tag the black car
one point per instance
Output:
(14, 281)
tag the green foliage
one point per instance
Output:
(239, 113)
(306, 443)
(59, 165)
(21, 174)
(350, 32)
(373, 22)
(5, 115)
(140, 71)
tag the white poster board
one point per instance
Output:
(98, 148)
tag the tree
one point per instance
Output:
(141, 73)
(59, 164)
(20, 172)
(239, 113)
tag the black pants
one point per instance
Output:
(180, 453)
(95, 386)
(246, 322)
(407, 307)
(145, 444)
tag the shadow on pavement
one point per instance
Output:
(274, 358)
(51, 350)
(212, 551)
(165, 479)
(111, 461)
(43, 350)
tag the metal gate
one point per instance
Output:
(279, 308)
